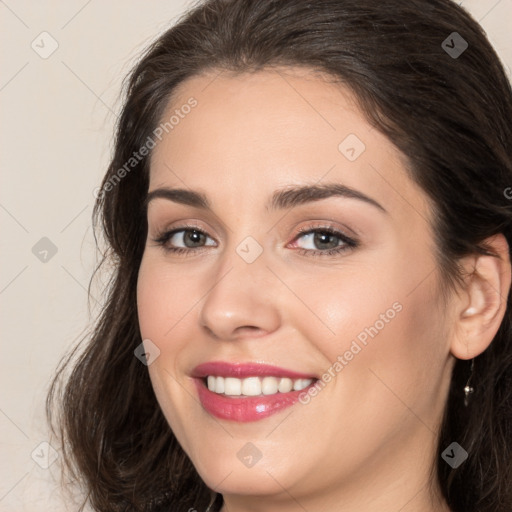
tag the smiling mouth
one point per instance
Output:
(250, 398)
(254, 386)
(248, 391)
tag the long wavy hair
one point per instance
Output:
(449, 114)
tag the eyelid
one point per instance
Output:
(329, 225)
(183, 216)
(180, 225)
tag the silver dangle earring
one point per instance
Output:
(468, 389)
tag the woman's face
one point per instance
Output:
(261, 287)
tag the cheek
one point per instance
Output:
(161, 302)
(162, 306)
(380, 335)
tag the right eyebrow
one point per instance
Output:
(179, 195)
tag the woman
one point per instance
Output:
(307, 214)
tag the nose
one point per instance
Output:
(243, 300)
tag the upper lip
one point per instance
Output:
(243, 370)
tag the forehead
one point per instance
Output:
(255, 132)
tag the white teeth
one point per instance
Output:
(232, 386)
(219, 384)
(254, 386)
(269, 385)
(285, 385)
(251, 386)
(300, 384)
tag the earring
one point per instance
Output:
(467, 388)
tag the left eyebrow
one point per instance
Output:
(281, 199)
(295, 196)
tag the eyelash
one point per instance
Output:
(348, 243)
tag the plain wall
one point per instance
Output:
(58, 115)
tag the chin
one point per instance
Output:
(228, 479)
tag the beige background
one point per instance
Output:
(58, 114)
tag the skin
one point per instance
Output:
(367, 440)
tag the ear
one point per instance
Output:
(482, 304)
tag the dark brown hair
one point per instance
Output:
(449, 114)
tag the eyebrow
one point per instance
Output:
(281, 199)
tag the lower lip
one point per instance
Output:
(248, 408)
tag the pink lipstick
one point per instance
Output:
(246, 392)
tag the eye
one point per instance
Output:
(324, 241)
(191, 238)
